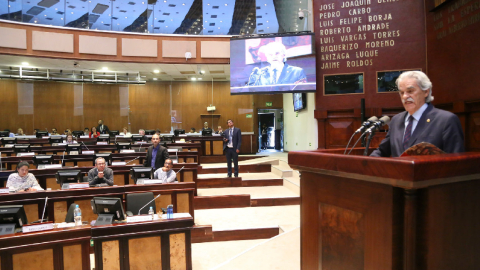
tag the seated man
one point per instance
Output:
(100, 174)
(219, 131)
(205, 127)
(86, 132)
(166, 174)
(20, 132)
(54, 132)
(192, 130)
(141, 132)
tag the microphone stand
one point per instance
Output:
(85, 145)
(45, 206)
(132, 160)
(148, 203)
(370, 136)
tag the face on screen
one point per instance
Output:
(275, 54)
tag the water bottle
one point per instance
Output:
(150, 212)
(77, 214)
(170, 212)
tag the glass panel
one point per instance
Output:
(100, 17)
(178, 17)
(11, 10)
(266, 17)
(344, 84)
(76, 14)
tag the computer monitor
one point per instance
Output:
(103, 138)
(141, 172)
(21, 148)
(207, 132)
(8, 140)
(55, 139)
(177, 132)
(137, 138)
(113, 133)
(108, 209)
(40, 134)
(43, 159)
(11, 217)
(168, 139)
(75, 147)
(77, 133)
(122, 145)
(65, 177)
(4, 133)
(149, 131)
(106, 156)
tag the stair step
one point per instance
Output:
(236, 182)
(249, 168)
(240, 200)
(201, 234)
(220, 159)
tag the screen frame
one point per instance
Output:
(261, 36)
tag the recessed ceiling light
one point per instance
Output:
(105, 68)
(156, 71)
(199, 79)
(125, 17)
(194, 79)
(183, 4)
(154, 79)
(25, 64)
(225, 4)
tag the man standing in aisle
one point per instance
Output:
(232, 140)
(103, 129)
(156, 154)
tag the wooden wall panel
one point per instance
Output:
(149, 106)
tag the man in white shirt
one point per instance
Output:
(166, 174)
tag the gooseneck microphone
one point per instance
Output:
(132, 160)
(85, 145)
(364, 126)
(180, 169)
(148, 203)
(384, 120)
(45, 206)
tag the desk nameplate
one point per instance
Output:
(38, 227)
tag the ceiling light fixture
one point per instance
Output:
(194, 79)
(25, 64)
(105, 68)
(156, 71)
(154, 79)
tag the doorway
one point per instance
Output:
(270, 130)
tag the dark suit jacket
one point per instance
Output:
(438, 127)
(107, 177)
(162, 155)
(289, 75)
(105, 129)
(236, 138)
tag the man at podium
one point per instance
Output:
(421, 122)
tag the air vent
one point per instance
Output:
(71, 7)
(156, 28)
(114, 18)
(216, 71)
(180, 79)
(187, 72)
(215, 7)
(211, 24)
(35, 11)
(260, 31)
(131, 3)
(210, 31)
(166, 14)
(123, 11)
(106, 24)
(48, 19)
(260, 24)
(60, 12)
(47, 3)
(258, 7)
(172, 5)
(161, 21)
(213, 16)
(100, 8)
(259, 17)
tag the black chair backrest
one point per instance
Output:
(69, 216)
(135, 201)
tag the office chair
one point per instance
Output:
(69, 216)
(135, 201)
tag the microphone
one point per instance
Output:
(366, 124)
(63, 156)
(45, 206)
(140, 147)
(148, 203)
(132, 160)
(254, 73)
(384, 120)
(85, 145)
(180, 169)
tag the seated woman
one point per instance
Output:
(70, 139)
(22, 181)
(94, 133)
(125, 133)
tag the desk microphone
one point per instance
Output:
(180, 169)
(45, 206)
(85, 145)
(140, 147)
(364, 126)
(384, 120)
(132, 160)
(148, 203)
(63, 156)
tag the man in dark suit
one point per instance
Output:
(279, 72)
(232, 140)
(103, 129)
(156, 154)
(421, 122)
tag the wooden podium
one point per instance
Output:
(407, 213)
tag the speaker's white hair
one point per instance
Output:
(422, 81)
